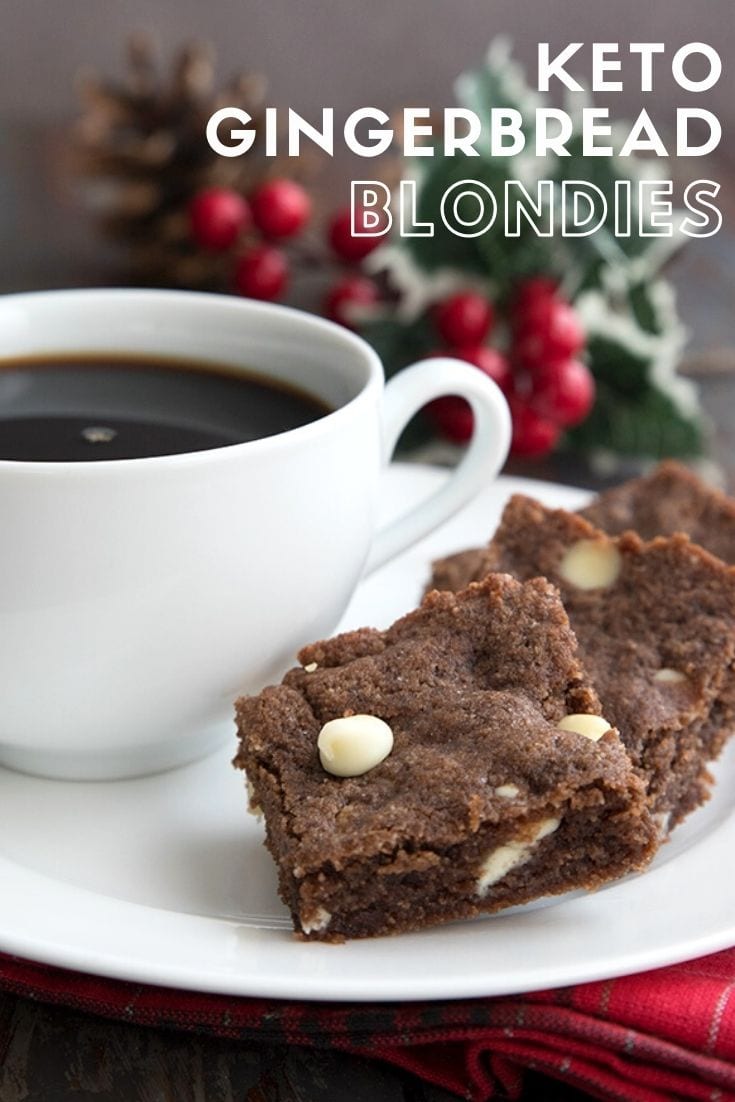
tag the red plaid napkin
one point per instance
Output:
(662, 1035)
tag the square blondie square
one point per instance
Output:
(670, 499)
(483, 802)
(655, 623)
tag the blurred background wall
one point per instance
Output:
(350, 53)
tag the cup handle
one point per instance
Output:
(404, 396)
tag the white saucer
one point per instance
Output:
(165, 880)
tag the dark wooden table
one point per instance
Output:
(49, 1054)
(52, 1054)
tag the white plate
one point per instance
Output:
(165, 880)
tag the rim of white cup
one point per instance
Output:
(84, 468)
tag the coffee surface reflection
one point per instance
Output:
(85, 408)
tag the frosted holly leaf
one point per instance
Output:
(446, 249)
(634, 344)
(653, 305)
(659, 344)
(416, 287)
(632, 306)
(398, 343)
(605, 173)
(500, 83)
(648, 424)
(510, 260)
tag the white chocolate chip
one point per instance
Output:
(507, 791)
(591, 564)
(311, 667)
(352, 745)
(668, 676)
(318, 922)
(592, 727)
(501, 860)
(253, 806)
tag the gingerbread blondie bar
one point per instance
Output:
(655, 623)
(670, 499)
(503, 784)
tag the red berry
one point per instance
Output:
(564, 392)
(281, 208)
(453, 417)
(532, 435)
(262, 272)
(217, 217)
(532, 291)
(548, 331)
(489, 360)
(464, 319)
(347, 247)
(345, 299)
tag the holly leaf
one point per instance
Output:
(499, 84)
(509, 260)
(418, 431)
(605, 173)
(618, 367)
(644, 308)
(398, 344)
(589, 272)
(502, 259)
(445, 249)
(647, 424)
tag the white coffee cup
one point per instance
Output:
(139, 597)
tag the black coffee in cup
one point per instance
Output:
(77, 408)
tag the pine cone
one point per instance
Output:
(142, 150)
